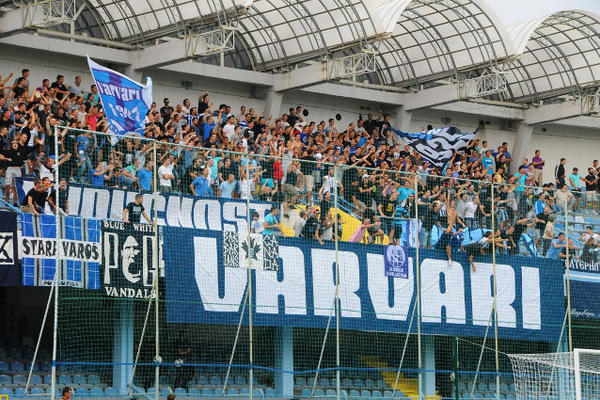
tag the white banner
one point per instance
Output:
(71, 250)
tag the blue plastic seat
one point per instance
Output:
(270, 392)
(180, 390)
(165, 391)
(45, 366)
(36, 380)
(324, 382)
(79, 380)
(359, 383)
(365, 393)
(36, 367)
(215, 380)
(232, 391)
(17, 366)
(300, 381)
(241, 380)
(82, 392)
(65, 380)
(387, 393)
(202, 380)
(219, 392)
(306, 392)
(19, 380)
(369, 383)
(96, 392)
(5, 380)
(6, 390)
(20, 391)
(194, 392)
(3, 366)
(93, 379)
(110, 392)
(15, 354)
(347, 382)
(319, 393)
(376, 393)
(330, 393)
(381, 384)
(207, 392)
(47, 379)
(354, 393)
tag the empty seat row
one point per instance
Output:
(18, 366)
(345, 383)
(47, 380)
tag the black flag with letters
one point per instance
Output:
(9, 265)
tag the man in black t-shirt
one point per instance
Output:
(135, 210)
(35, 200)
(591, 185)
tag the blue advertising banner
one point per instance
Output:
(585, 287)
(125, 102)
(78, 250)
(454, 300)
(9, 264)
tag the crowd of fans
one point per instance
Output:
(214, 151)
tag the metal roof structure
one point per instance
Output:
(417, 44)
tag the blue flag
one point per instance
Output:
(437, 145)
(396, 261)
(124, 101)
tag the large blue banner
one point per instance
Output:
(173, 209)
(454, 301)
(125, 102)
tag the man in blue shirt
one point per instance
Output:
(201, 185)
(519, 179)
(227, 187)
(145, 176)
(556, 246)
(488, 162)
(405, 191)
(99, 174)
(271, 222)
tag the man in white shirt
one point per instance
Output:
(229, 128)
(165, 174)
(76, 86)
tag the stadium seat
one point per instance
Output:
(369, 383)
(79, 380)
(376, 393)
(180, 390)
(324, 382)
(194, 392)
(36, 367)
(15, 354)
(482, 387)
(36, 380)
(45, 366)
(207, 392)
(17, 366)
(319, 393)
(300, 381)
(3, 366)
(387, 393)
(47, 379)
(347, 383)
(82, 392)
(241, 380)
(96, 392)
(270, 392)
(65, 380)
(3, 354)
(5, 380)
(19, 380)
(354, 394)
(330, 393)
(110, 392)
(201, 380)
(165, 391)
(93, 379)
(381, 384)
(20, 391)
(215, 380)
(365, 394)
(6, 390)
(462, 386)
(219, 392)
(359, 383)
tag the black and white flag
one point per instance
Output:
(9, 266)
(262, 250)
(437, 145)
(128, 259)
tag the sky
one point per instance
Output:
(513, 11)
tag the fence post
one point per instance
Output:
(157, 357)
(337, 284)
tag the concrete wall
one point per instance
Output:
(579, 145)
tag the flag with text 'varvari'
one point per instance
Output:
(125, 102)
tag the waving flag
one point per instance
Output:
(437, 145)
(124, 101)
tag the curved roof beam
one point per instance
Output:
(434, 39)
(559, 54)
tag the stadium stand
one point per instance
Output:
(492, 196)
